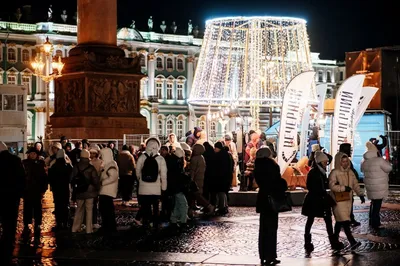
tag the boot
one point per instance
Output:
(308, 245)
(335, 243)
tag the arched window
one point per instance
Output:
(159, 126)
(159, 63)
(26, 81)
(202, 124)
(328, 77)
(159, 89)
(169, 90)
(179, 129)
(213, 129)
(170, 64)
(11, 55)
(320, 76)
(180, 66)
(25, 56)
(58, 53)
(179, 91)
(170, 127)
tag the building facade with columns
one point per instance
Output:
(168, 61)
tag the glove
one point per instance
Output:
(362, 198)
(348, 189)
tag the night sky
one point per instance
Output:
(334, 27)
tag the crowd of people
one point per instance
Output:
(187, 178)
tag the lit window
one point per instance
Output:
(25, 55)
(179, 90)
(180, 65)
(179, 129)
(11, 79)
(213, 129)
(169, 91)
(320, 76)
(159, 88)
(12, 55)
(202, 125)
(159, 63)
(170, 127)
(328, 77)
(170, 64)
(142, 60)
(58, 53)
(160, 127)
(26, 81)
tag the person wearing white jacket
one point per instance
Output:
(108, 191)
(150, 192)
(376, 179)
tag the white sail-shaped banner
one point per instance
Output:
(344, 116)
(293, 107)
(367, 93)
(321, 94)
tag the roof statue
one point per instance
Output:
(150, 23)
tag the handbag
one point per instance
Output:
(343, 196)
(280, 205)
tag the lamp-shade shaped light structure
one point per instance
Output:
(250, 60)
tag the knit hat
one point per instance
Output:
(60, 154)
(264, 152)
(85, 154)
(57, 145)
(32, 149)
(315, 147)
(3, 146)
(371, 147)
(179, 152)
(185, 147)
(228, 137)
(219, 145)
(320, 157)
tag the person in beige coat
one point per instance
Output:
(342, 179)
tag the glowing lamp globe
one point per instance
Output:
(247, 61)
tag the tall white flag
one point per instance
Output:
(367, 94)
(321, 94)
(294, 104)
(344, 117)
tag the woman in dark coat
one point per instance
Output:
(209, 158)
(318, 202)
(270, 183)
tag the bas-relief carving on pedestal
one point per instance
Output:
(70, 96)
(113, 95)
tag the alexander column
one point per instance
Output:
(98, 96)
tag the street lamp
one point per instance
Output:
(41, 63)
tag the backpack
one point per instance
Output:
(150, 169)
(80, 184)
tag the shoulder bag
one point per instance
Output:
(280, 205)
(345, 195)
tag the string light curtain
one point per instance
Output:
(248, 61)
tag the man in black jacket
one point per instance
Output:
(346, 148)
(12, 186)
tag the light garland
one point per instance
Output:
(249, 62)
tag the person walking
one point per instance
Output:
(318, 202)
(11, 190)
(271, 184)
(86, 184)
(343, 185)
(108, 191)
(126, 165)
(151, 172)
(376, 179)
(60, 177)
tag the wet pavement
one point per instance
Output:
(231, 239)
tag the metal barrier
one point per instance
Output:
(137, 139)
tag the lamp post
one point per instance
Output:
(44, 62)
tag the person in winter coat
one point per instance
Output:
(173, 142)
(232, 149)
(75, 154)
(346, 149)
(11, 190)
(209, 159)
(85, 198)
(381, 146)
(150, 192)
(40, 151)
(192, 138)
(127, 165)
(270, 183)
(60, 177)
(342, 179)
(318, 202)
(376, 179)
(99, 166)
(114, 150)
(316, 147)
(36, 184)
(49, 161)
(249, 173)
(108, 191)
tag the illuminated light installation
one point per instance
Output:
(248, 62)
